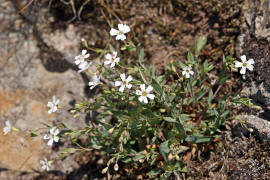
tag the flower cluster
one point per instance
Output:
(80, 61)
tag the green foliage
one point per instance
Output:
(156, 135)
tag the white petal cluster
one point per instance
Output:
(7, 128)
(53, 105)
(124, 83)
(244, 65)
(187, 72)
(144, 93)
(120, 33)
(52, 136)
(80, 61)
(45, 164)
(95, 81)
(111, 59)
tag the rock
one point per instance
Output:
(26, 86)
(20, 152)
(255, 44)
(256, 126)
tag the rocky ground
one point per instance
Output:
(37, 49)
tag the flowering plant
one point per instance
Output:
(147, 121)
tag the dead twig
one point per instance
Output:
(26, 6)
(81, 8)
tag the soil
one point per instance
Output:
(167, 30)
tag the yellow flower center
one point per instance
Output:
(245, 64)
(144, 93)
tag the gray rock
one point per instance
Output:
(257, 126)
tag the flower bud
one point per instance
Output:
(177, 157)
(170, 157)
(111, 130)
(116, 167)
(148, 146)
(104, 170)
(141, 160)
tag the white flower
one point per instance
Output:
(7, 129)
(84, 66)
(45, 164)
(52, 136)
(145, 93)
(120, 34)
(124, 83)
(81, 58)
(244, 64)
(94, 82)
(187, 71)
(53, 105)
(112, 59)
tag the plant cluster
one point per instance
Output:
(147, 121)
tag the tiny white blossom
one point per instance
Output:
(52, 136)
(7, 128)
(84, 66)
(144, 93)
(112, 59)
(53, 105)
(124, 83)
(120, 33)
(45, 164)
(187, 71)
(244, 65)
(81, 58)
(94, 82)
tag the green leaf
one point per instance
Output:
(169, 119)
(154, 172)
(199, 45)
(157, 87)
(210, 97)
(141, 55)
(164, 149)
(190, 57)
(138, 157)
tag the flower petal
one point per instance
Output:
(107, 62)
(120, 27)
(114, 54)
(129, 78)
(113, 32)
(243, 58)
(151, 96)
(243, 70)
(250, 67)
(123, 77)
(126, 29)
(113, 64)
(56, 138)
(145, 100)
(116, 60)
(56, 132)
(129, 86)
(149, 89)
(121, 89)
(50, 142)
(238, 64)
(251, 61)
(141, 98)
(138, 92)
(118, 83)
(142, 86)
(84, 52)
(108, 56)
